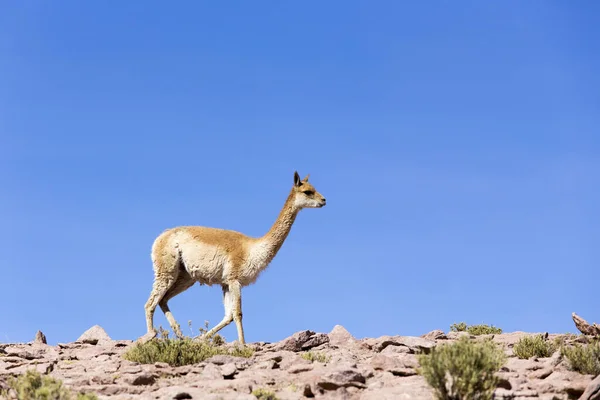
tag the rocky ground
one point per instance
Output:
(373, 368)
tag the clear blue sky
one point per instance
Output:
(458, 147)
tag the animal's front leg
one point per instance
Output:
(227, 303)
(236, 297)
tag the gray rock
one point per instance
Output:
(228, 371)
(96, 334)
(564, 381)
(399, 366)
(342, 377)
(303, 340)
(315, 341)
(302, 367)
(143, 378)
(222, 359)
(458, 335)
(212, 371)
(592, 391)
(340, 337)
(372, 368)
(296, 341)
(40, 338)
(435, 335)
(414, 344)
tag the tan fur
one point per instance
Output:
(184, 255)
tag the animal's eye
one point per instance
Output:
(308, 192)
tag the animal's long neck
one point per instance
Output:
(275, 237)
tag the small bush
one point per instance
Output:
(460, 327)
(318, 357)
(534, 346)
(583, 358)
(34, 386)
(476, 330)
(464, 369)
(483, 330)
(216, 339)
(178, 352)
(263, 394)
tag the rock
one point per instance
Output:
(541, 373)
(509, 339)
(222, 359)
(400, 366)
(228, 371)
(505, 394)
(161, 365)
(435, 335)
(389, 350)
(307, 391)
(343, 377)
(96, 334)
(371, 368)
(267, 364)
(303, 340)
(340, 337)
(296, 341)
(184, 392)
(585, 327)
(144, 378)
(182, 395)
(211, 371)
(568, 382)
(103, 379)
(25, 353)
(315, 341)
(592, 391)
(297, 368)
(40, 338)
(458, 335)
(414, 344)
(390, 387)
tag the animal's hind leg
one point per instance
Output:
(184, 281)
(162, 283)
(165, 260)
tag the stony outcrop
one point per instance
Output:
(348, 368)
(96, 334)
(585, 327)
(40, 338)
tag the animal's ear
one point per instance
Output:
(297, 181)
(306, 178)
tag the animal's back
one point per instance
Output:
(208, 254)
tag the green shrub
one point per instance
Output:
(534, 346)
(216, 339)
(583, 358)
(319, 357)
(263, 394)
(476, 330)
(464, 369)
(483, 330)
(178, 352)
(34, 386)
(460, 327)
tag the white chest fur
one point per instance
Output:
(259, 256)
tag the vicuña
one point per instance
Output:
(184, 255)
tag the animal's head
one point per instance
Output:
(306, 196)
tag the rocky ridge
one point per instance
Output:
(347, 368)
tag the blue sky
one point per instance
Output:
(457, 145)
